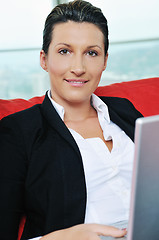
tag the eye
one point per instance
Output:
(92, 53)
(64, 51)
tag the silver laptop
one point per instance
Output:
(144, 208)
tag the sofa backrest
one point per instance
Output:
(144, 94)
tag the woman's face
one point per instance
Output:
(75, 61)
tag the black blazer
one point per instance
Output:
(41, 170)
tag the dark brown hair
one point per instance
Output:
(77, 11)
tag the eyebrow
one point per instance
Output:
(95, 46)
(68, 45)
(63, 44)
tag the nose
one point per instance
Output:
(78, 66)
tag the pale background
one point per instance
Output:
(22, 21)
(133, 52)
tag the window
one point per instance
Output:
(134, 39)
(21, 24)
(133, 52)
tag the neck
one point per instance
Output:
(78, 111)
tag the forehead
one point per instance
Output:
(78, 33)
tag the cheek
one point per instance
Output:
(97, 69)
(96, 64)
(57, 67)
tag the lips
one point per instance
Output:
(76, 82)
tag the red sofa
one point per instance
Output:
(144, 94)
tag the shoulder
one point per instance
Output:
(23, 130)
(24, 125)
(31, 123)
(122, 106)
(22, 117)
(117, 100)
(30, 116)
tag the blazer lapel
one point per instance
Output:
(73, 174)
(124, 125)
(123, 113)
(56, 122)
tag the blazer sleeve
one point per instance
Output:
(12, 177)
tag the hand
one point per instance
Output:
(85, 232)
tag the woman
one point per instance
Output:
(68, 161)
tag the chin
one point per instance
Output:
(78, 99)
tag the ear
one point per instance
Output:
(105, 61)
(43, 60)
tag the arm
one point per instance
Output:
(12, 178)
